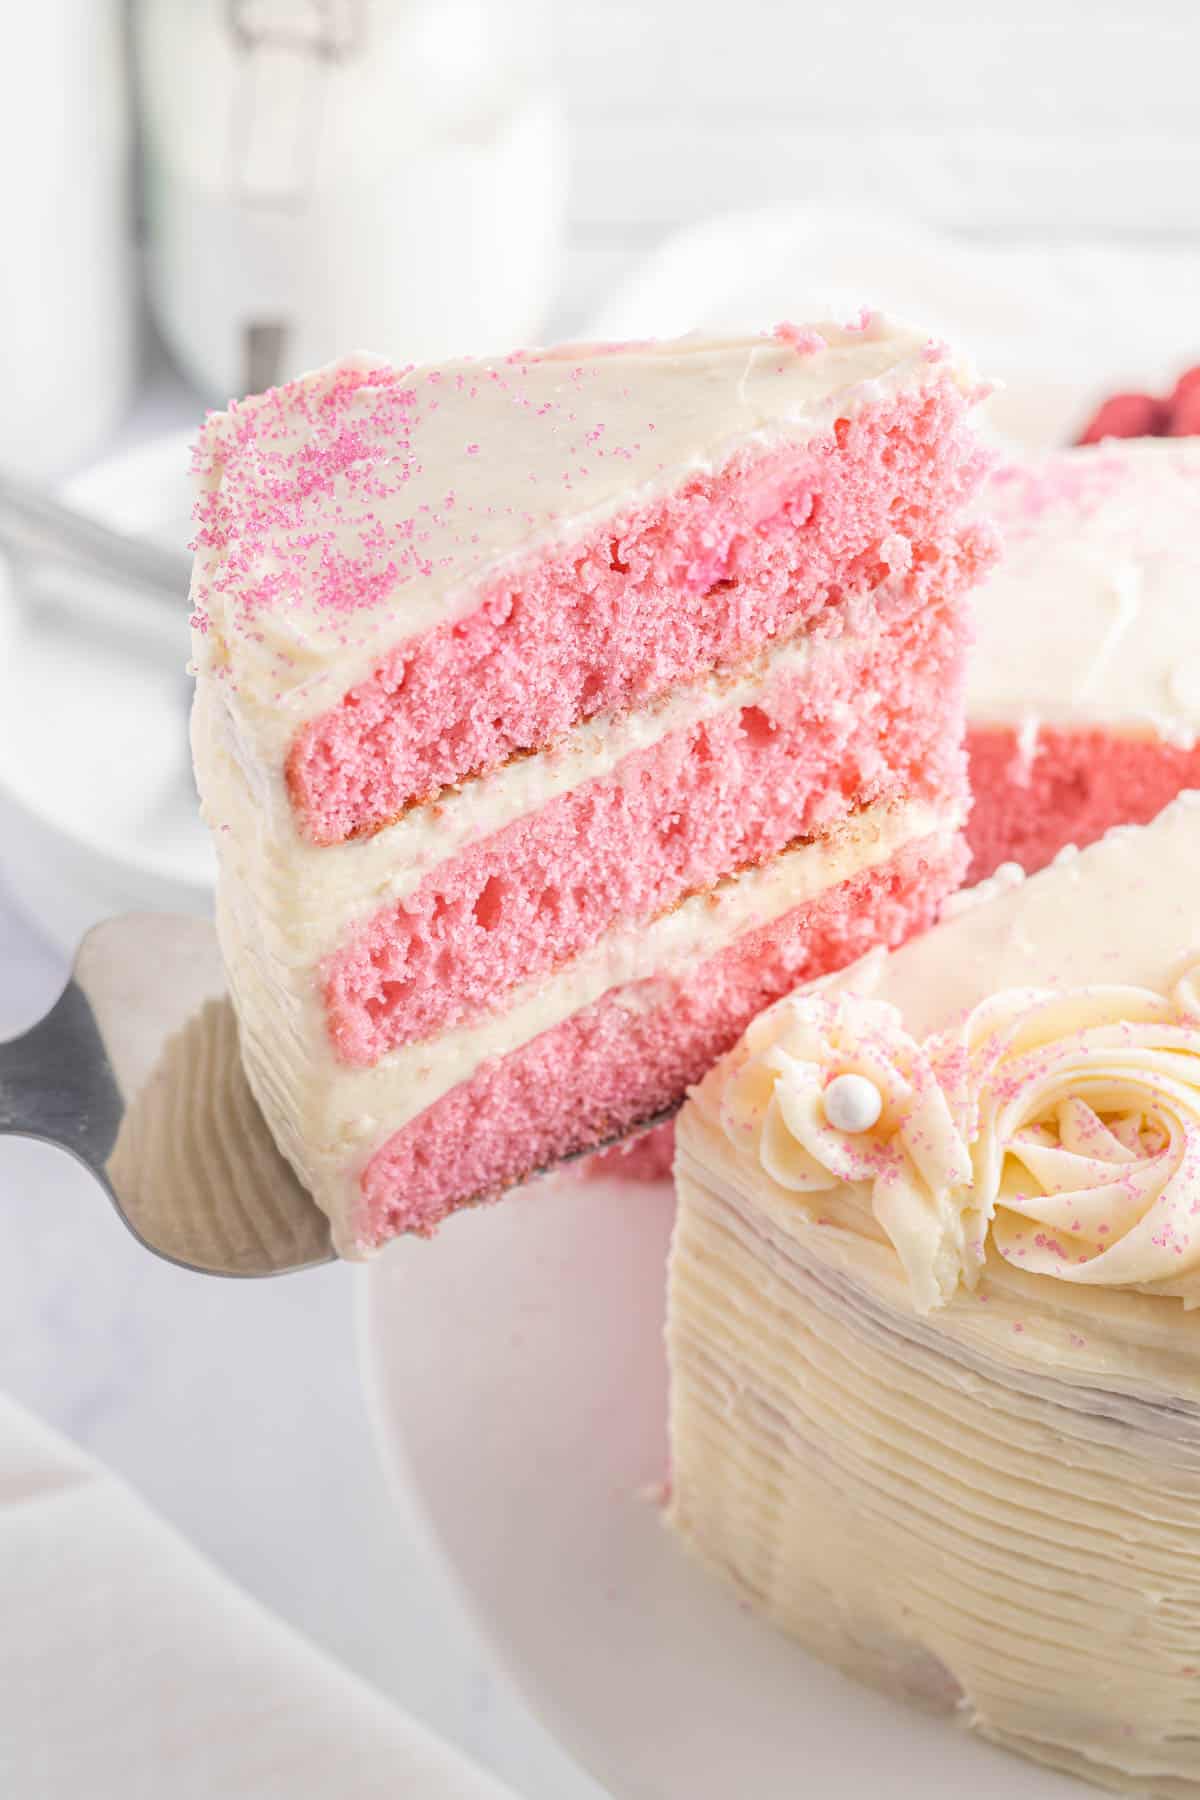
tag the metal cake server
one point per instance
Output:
(136, 1071)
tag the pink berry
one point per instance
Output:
(1126, 416)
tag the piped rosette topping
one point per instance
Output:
(802, 1054)
(1064, 1124)
(1087, 1151)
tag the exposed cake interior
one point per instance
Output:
(630, 1055)
(1069, 787)
(854, 723)
(1084, 700)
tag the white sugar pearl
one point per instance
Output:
(852, 1103)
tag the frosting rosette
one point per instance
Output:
(1086, 1140)
(1064, 1123)
(913, 1159)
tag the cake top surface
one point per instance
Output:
(1091, 616)
(1032, 1067)
(364, 504)
(1124, 911)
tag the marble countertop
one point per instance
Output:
(237, 1411)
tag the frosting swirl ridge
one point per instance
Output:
(1087, 1153)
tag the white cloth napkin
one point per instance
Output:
(131, 1670)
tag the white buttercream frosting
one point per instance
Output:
(1090, 616)
(989, 1509)
(1066, 1124)
(987, 1504)
(954, 1446)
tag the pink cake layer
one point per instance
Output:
(879, 719)
(611, 1066)
(1075, 787)
(661, 593)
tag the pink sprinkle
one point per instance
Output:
(472, 449)
(802, 341)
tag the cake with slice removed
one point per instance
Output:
(1084, 687)
(554, 715)
(932, 1326)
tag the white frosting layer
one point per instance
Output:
(1091, 617)
(314, 894)
(330, 1118)
(488, 462)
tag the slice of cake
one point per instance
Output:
(934, 1355)
(555, 714)
(1084, 695)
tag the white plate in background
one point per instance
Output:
(145, 490)
(96, 797)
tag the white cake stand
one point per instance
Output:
(515, 1375)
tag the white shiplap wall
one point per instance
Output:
(1015, 120)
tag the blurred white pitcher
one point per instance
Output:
(67, 318)
(334, 175)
